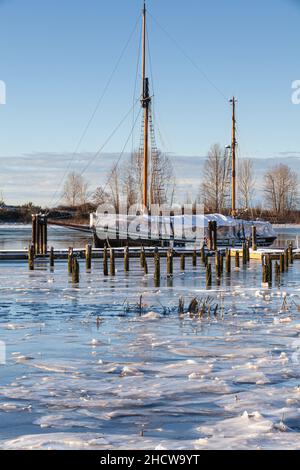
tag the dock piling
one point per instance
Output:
(31, 257)
(112, 262)
(75, 270)
(126, 259)
(51, 257)
(88, 257)
(70, 260)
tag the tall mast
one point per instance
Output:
(145, 101)
(233, 162)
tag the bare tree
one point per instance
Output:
(75, 191)
(162, 183)
(126, 182)
(281, 188)
(214, 189)
(114, 187)
(100, 196)
(246, 182)
(2, 202)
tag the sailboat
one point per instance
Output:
(177, 228)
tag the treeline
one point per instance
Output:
(279, 192)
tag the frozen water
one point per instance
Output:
(87, 369)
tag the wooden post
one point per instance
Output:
(37, 235)
(182, 262)
(269, 268)
(290, 252)
(75, 270)
(126, 259)
(282, 266)
(203, 257)
(145, 266)
(215, 235)
(70, 260)
(237, 259)
(170, 263)
(31, 257)
(286, 259)
(142, 257)
(105, 264)
(45, 235)
(210, 235)
(248, 250)
(51, 257)
(244, 254)
(156, 269)
(277, 271)
(254, 240)
(33, 235)
(194, 258)
(88, 257)
(208, 275)
(112, 262)
(264, 274)
(228, 261)
(221, 264)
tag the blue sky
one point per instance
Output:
(56, 57)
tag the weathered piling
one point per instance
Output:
(277, 271)
(44, 229)
(112, 262)
(156, 268)
(194, 260)
(142, 257)
(170, 262)
(208, 275)
(70, 260)
(75, 270)
(145, 266)
(210, 235)
(105, 263)
(228, 261)
(126, 259)
(34, 231)
(237, 259)
(290, 253)
(244, 254)
(39, 238)
(219, 264)
(51, 257)
(202, 254)
(254, 238)
(248, 250)
(88, 257)
(281, 262)
(215, 235)
(31, 257)
(182, 262)
(286, 259)
(267, 270)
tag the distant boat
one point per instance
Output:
(174, 230)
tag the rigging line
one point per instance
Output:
(110, 78)
(125, 145)
(189, 58)
(105, 143)
(109, 137)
